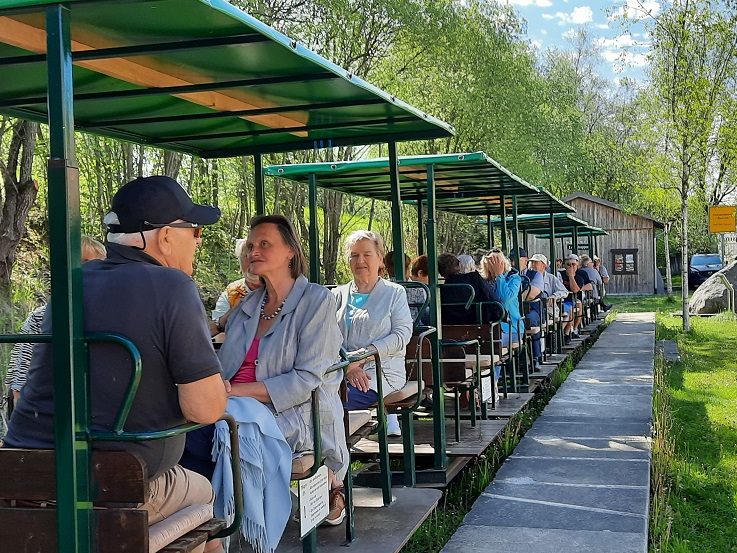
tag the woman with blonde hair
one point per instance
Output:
(373, 316)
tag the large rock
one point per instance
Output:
(712, 295)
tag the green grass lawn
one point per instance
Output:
(701, 466)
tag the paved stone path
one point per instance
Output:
(579, 479)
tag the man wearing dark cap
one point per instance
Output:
(143, 290)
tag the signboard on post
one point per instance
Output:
(722, 218)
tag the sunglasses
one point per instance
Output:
(571, 264)
(185, 224)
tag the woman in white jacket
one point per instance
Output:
(373, 315)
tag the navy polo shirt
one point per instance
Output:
(160, 310)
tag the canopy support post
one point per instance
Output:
(515, 231)
(313, 235)
(71, 416)
(489, 232)
(525, 241)
(552, 242)
(504, 224)
(258, 184)
(574, 245)
(397, 235)
(438, 396)
(420, 230)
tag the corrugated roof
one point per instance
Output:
(197, 76)
(467, 183)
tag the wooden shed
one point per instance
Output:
(628, 252)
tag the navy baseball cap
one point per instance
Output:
(513, 253)
(146, 203)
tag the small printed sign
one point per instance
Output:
(314, 501)
(722, 218)
(486, 389)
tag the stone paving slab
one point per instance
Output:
(579, 479)
(534, 513)
(566, 429)
(482, 539)
(574, 470)
(621, 448)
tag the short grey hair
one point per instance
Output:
(356, 236)
(468, 265)
(126, 238)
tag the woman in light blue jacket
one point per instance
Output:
(281, 341)
(373, 315)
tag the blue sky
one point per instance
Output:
(619, 30)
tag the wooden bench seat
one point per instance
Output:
(119, 482)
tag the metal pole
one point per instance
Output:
(420, 229)
(258, 184)
(525, 241)
(397, 235)
(515, 230)
(552, 242)
(438, 395)
(71, 413)
(574, 244)
(489, 231)
(313, 236)
(504, 224)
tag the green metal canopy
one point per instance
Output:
(467, 183)
(199, 77)
(539, 225)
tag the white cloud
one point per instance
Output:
(536, 44)
(601, 26)
(622, 41)
(636, 9)
(543, 32)
(621, 59)
(536, 3)
(579, 16)
(569, 34)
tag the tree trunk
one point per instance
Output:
(371, 214)
(20, 193)
(668, 273)
(172, 164)
(331, 233)
(684, 263)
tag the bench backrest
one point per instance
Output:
(29, 476)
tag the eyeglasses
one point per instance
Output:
(571, 264)
(184, 224)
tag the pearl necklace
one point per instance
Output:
(275, 313)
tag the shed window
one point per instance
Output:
(624, 262)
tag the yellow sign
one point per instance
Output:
(722, 218)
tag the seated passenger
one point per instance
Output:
(233, 293)
(20, 355)
(279, 343)
(534, 315)
(144, 291)
(553, 288)
(506, 284)
(587, 266)
(574, 281)
(453, 312)
(373, 316)
(418, 272)
(415, 296)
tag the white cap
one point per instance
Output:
(540, 257)
(574, 257)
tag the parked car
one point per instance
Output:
(702, 266)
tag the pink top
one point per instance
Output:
(247, 371)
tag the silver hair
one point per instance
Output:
(126, 238)
(358, 235)
(468, 265)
